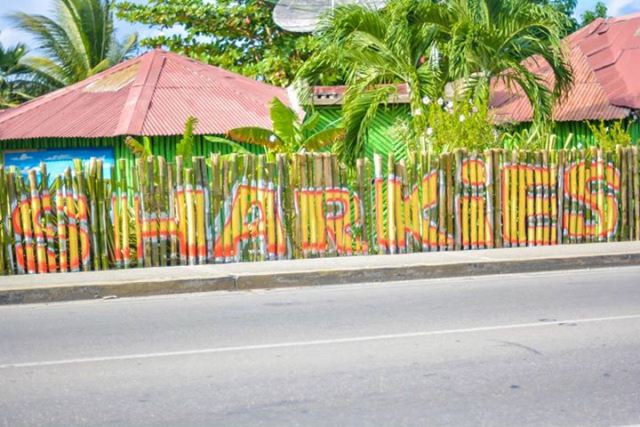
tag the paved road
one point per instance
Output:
(557, 348)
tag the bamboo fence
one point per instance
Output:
(245, 208)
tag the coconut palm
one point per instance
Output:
(426, 44)
(373, 49)
(77, 43)
(484, 40)
(289, 134)
(16, 86)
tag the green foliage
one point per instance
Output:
(185, 146)
(599, 11)
(233, 146)
(566, 8)
(77, 42)
(290, 134)
(238, 35)
(461, 124)
(608, 136)
(537, 136)
(16, 84)
(483, 40)
(425, 45)
(372, 49)
(139, 150)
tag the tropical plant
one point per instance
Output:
(486, 40)
(184, 147)
(290, 134)
(599, 11)
(137, 148)
(77, 42)
(610, 135)
(460, 124)
(238, 35)
(15, 85)
(426, 46)
(374, 51)
(536, 136)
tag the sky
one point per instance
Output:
(10, 36)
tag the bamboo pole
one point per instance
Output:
(488, 195)
(61, 225)
(402, 211)
(217, 219)
(190, 216)
(49, 223)
(465, 208)
(636, 193)
(546, 198)
(200, 212)
(513, 215)
(74, 255)
(506, 199)
(498, 169)
(162, 193)
(36, 216)
(472, 163)
(391, 205)
(621, 165)
(555, 202)
(522, 210)
(181, 212)
(381, 232)
(6, 214)
(319, 188)
(630, 195)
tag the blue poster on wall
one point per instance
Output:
(58, 160)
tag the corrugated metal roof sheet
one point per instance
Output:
(152, 94)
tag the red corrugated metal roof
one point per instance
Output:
(152, 94)
(604, 55)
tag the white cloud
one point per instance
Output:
(58, 157)
(620, 7)
(23, 157)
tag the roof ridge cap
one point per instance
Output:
(132, 117)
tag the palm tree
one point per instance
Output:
(424, 44)
(11, 75)
(373, 49)
(17, 84)
(78, 43)
(485, 40)
(289, 134)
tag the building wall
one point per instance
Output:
(161, 145)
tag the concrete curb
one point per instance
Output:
(311, 272)
(44, 294)
(416, 272)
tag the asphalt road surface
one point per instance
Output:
(558, 348)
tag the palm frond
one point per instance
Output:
(324, 138)
(234, 146)
(256, 135)
(284, 121)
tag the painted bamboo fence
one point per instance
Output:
(246, 208)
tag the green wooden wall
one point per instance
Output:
(379, 138)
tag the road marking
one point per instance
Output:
(294, 344)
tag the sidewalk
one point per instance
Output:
(310, 272)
